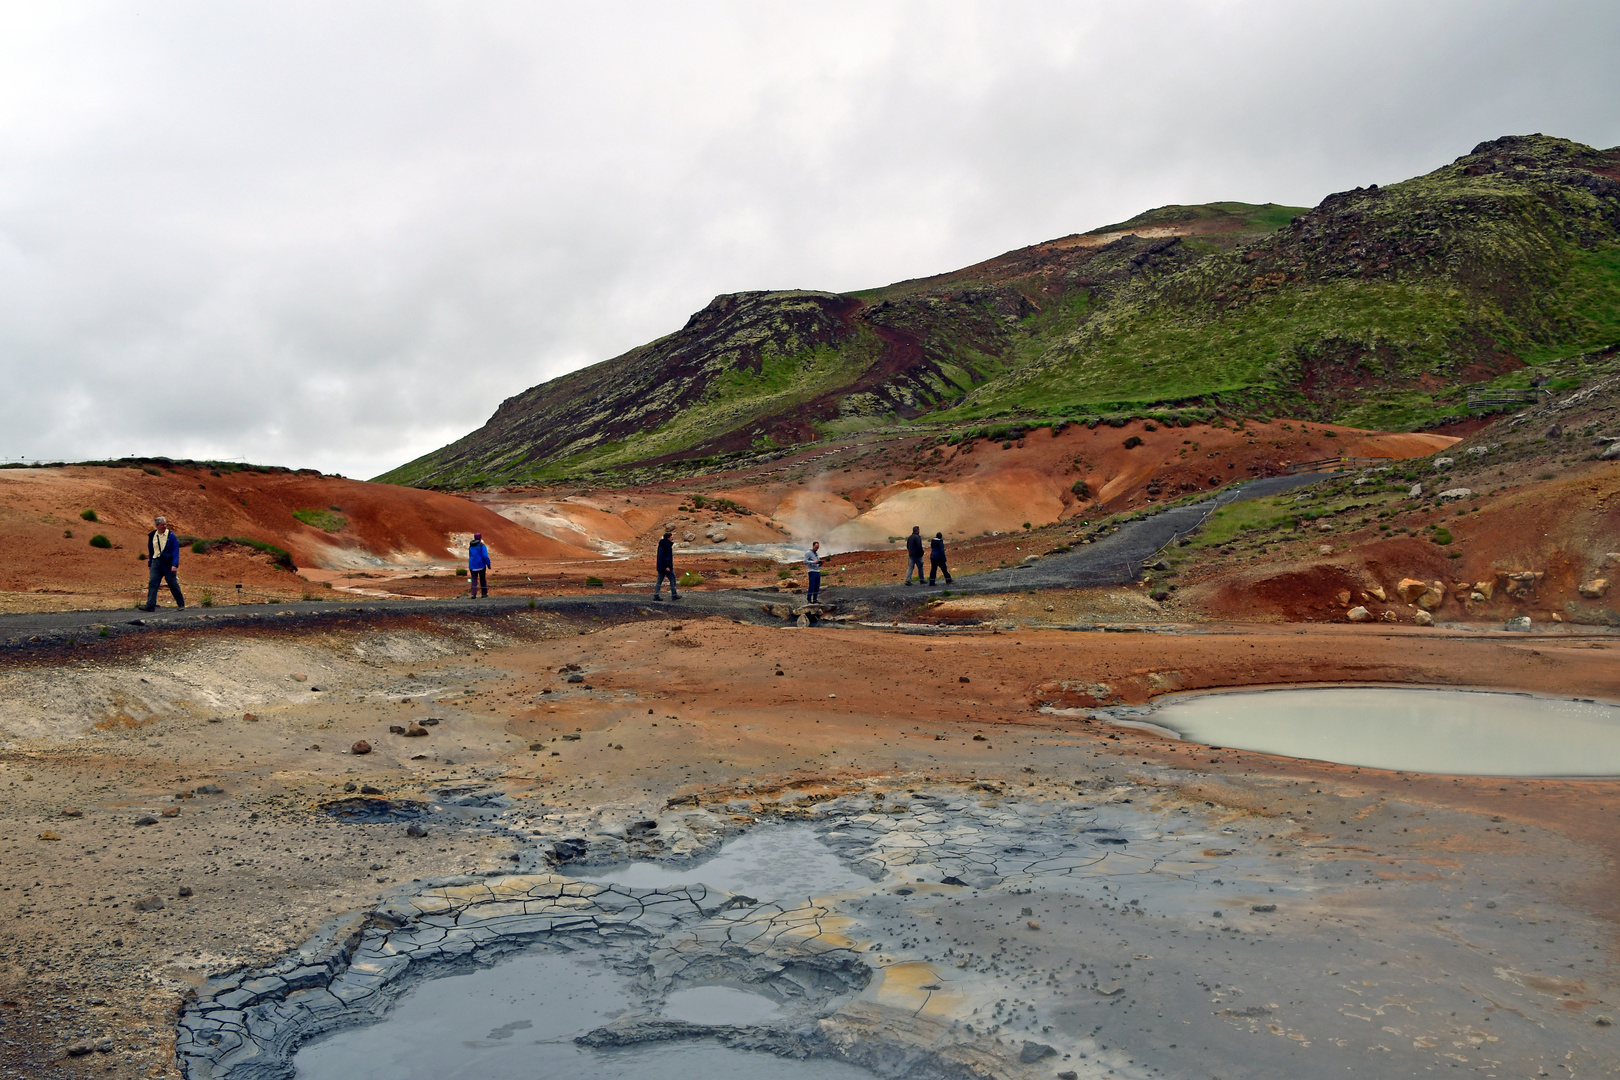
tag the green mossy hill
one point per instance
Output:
(1376, 308)
(1373, 308)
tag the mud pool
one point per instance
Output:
(1449, 732)
(517, 1021)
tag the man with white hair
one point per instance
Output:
(162, 563)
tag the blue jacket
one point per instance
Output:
(478, 556)
(170, 559)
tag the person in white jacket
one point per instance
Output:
(812, 571)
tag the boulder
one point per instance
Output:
(360, 747)
(1611, 453)
(1377, 593)
(1359, 614)
(1595, 588)
(1410, 589)
(1518, 622)
(1415, 491)
(1453, 494)
(1486, 589)
(1423, 618)
(1443, 463)
(1432, 597)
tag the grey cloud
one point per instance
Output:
(339, 235)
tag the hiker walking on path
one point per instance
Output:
(162, 563)
(812, 573)
(936, 560)
(914, 552)
(478, 565)
(666, 566)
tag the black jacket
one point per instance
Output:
(914, 546)
(170, 559)
(936, 550)
(666, 554)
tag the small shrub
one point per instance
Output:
(104, 632)
(1150, 426)
(1442, 536)
(689, 579)
(325, 520)
(100, 541)
(784, 573)
(596, 582)
(461, 571)
(1133, 442)
(733, 570)
(149, 471)
(67, 534)
(89, 515)
(207, 598)
(199, 547)
(1026, 524)
(531, 603)
(1081, 489)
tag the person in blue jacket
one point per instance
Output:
(162, 563)
(478, 565)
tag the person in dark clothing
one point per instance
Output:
(162, 563)
(936, 560)
(812, 574)
(478, 565)
(666, 566)
(914, 552)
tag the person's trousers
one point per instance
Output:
(813, 591)
(914, 564)
(658, 588)
(157, 574)
(479, 581)
(936, 567)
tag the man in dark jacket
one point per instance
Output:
(666, 567)
(162, 563)
(914, 550)
(936, 560)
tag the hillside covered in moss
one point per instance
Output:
(1376, 308)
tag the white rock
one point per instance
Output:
(1423, 618)
(1443, 463)
(1415, 491)
(1453, 494)
(1358, 614)
(1518, 622)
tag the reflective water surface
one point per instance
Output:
(1457, 732)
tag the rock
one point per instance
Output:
(1443, 463)
(1555, 432)
(1386, 616)
(1422, 618)
(171, 811)
(48, 835)
(1324, 549)
(1595, 588)
(146, 819)
(249, 717)
(1611, 453)
(1377, 593)
(1034, 1051)
(1415, 491)
(1344, 597)
(576, 678)
(803, 620)
(152, 902)
(1068, 1074)
(1326, 526)
(1432, 597)
(1477, 597)
(413, 829)
(1518, 622)
(1359, 614)
(1410, 589)
(185, 891)
(360, 747)
(1486, 589)
(396, 729)
(1262, 908)
(367, 789)
(80, 1049)
(72, 811)
(689, 537)
(963, 678)
(415, 731)
(1453, 494)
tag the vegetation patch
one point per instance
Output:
(325, 520)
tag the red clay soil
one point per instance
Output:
(383, 524)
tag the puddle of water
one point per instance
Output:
(720, 1005)
(769, 862)
(516, 1021)
(1454, 732)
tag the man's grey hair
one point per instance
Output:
(160, 520)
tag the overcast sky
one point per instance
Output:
(337, 235)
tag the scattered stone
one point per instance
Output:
(1410, 589)
(1432, 597)
(1359, 614)
(1485, 589)
(1443, 463)
(361, 747)
(170, 811)
(80, 1049)
(1453, 494)
(151, 902)
(1262, 908)
(146, 819)
(1415, 491)
(185, 891)
(249, 717)
(396, 729)
(1324, 549)
(1068, 1074)
(72, 811)
(209, 789)
(1377, 593)
(963, 678)
(1595, 588)
(48, 835)
(1520, 623)
(413, 829)
(1422, 618)
(1611, 453)
(349, 786)
(1034, 1051)
(367, 789)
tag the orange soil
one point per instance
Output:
(385, 525)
